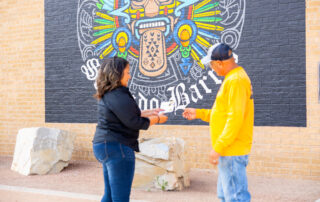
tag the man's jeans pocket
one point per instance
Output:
(243, 160)
(100, 152)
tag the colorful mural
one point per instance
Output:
(164, 41)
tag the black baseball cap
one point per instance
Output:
(219, 52)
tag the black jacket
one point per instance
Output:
(119, 119)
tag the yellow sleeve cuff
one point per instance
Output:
(198, 114)
(218, 148)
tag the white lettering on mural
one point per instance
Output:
(143, 102)
(215, 79)
(91, 68)
(194, 90)
(204, 86)
(178, 94)
(154, 103)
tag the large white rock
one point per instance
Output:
(42, 151)
(145, 174)
(160, 164)
(170, 181)
(176, 165)
(166, 148)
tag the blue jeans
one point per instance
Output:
(232, 179)
(118, 163)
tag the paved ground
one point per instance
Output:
(85, 179)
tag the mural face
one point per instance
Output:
(163, 40)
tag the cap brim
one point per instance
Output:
(206, 60)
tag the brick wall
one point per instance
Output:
(277, 151)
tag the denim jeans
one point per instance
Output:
(232, 179)
(118, 163)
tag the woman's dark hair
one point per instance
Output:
(109, 75)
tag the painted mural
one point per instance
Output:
(163, 40)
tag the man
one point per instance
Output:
(231, 124)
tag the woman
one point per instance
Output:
(117, 131)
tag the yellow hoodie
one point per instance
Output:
(231, 117)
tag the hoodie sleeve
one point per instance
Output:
(203, 114)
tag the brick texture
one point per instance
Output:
(292, 152)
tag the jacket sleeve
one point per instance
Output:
(203, 114)
(127, 111)
(236, 109)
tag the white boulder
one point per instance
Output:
(162, 161)
(42, 151)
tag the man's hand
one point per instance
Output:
(189, 113)
(214, 157)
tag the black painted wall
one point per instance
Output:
(271, 48)
(273, 51)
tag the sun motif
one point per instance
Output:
(194, 31)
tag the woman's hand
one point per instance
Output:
(156, 119)
(157, 111)
(162, 118)
(151, 112)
